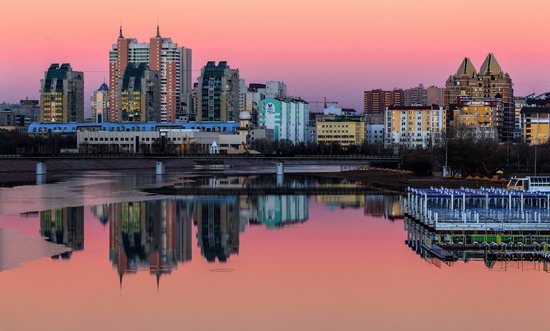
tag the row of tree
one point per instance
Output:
(12, 143)
(463, 155)
(474, 157)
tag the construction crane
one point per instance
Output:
(325, 102)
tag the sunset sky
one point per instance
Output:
(319, 48)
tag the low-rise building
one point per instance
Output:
(174, 141)
(19, 116)
(73, 128)
(414, 126)
(287, 117)
(344, 130)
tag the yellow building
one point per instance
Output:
(414, 126)
(345, 130)
(478, 119)
(535, 124)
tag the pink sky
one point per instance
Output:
(319, 48)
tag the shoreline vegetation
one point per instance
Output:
(463, 156)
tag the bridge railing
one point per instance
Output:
(197, 155)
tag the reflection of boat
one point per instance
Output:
(530, 184)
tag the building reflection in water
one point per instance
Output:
(218, 227)
(497, 250)
(387, 206)
(149, 235)
(342, 201)
(101, 212)
(64, 226)
(276, 211)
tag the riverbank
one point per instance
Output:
(397, 183)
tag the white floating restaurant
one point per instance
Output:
(484, 209)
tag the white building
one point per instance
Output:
(100, 104)
(374, 134)
(275, 89)
(287, 117)
(414, 126)
(182, 140)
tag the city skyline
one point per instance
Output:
(310, 48)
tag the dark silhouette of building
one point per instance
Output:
(64, 226)
(218, 227)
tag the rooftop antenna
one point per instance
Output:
(158, 29)
(120, 31)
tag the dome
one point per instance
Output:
(104, 87)
(244, 115)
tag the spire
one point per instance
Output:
(120, 33)
(158, 31)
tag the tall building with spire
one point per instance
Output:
(162, 55)
(491, 82)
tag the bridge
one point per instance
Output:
(203, 157)
(82, 162)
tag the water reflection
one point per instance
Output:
(218, 227)
(64, 226)
(148, 235)
(386, 206)
(497, 250)
(156, 236)
(276, 211)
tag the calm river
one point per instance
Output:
(95, 252)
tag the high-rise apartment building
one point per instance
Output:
(416, 96)
(536, 125)
(100, 104)
(287, 117)
(375, 101)
(62, 95)
(435, 96)
(478, 119)
(257, 92)
(275, 89)
(139, 94)
(414, 127)
(490, 82)
(218, 93)
(519, 103)
(162, 55)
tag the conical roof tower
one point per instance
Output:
(466, 69)
(490, 66)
